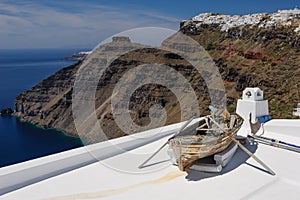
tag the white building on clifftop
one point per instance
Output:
(263, 20)
(296, 111)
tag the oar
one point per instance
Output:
(275, 143)
(158, 150)
(244, 148)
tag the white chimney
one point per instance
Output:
(252, 102)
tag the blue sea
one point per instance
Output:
(19, 71)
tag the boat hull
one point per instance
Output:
(188, 149)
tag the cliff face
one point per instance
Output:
(257, 52)
(48, 104)
(254, 50)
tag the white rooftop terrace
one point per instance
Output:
(242, 178)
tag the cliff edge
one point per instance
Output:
(258, 50)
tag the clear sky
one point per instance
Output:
(85, 23)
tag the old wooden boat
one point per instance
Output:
(208, 139)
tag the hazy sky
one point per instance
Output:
(85, 23)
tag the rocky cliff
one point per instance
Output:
(260, 50)
(254, 50)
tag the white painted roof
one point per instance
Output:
(241, 179)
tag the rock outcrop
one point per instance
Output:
(7, 112)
